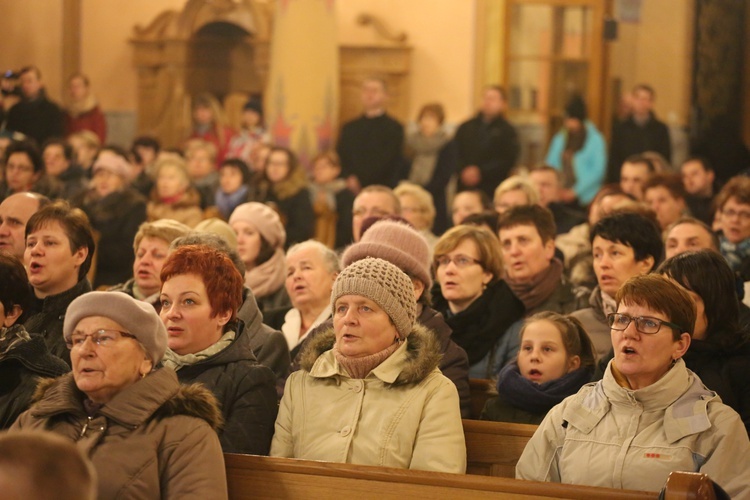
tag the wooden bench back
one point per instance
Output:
(253, 477)
(493, 448)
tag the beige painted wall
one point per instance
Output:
(441, 33)
(32, 34)
(658, 51)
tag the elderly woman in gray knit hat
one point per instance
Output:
(147, 436)
(370, 391)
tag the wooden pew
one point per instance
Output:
(253, 477)
(493, 448)
(480, 390)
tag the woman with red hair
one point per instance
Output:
(200, 295)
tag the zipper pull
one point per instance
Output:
(85, 426)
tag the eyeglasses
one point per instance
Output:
(103, 338)
(731, 214)
(644, 324)
(459, 260)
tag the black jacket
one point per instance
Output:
(46, 317)
(40, 119)
(116, 218)
(20, 368)
(372, 149)
(246, 391)
(629, 138)
(491, 146)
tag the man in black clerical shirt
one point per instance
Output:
(488, 146)
(370, 147)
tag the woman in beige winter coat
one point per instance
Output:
(649, 415)
(370, 391)
(147, 436)
(173, 197)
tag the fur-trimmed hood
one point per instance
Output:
(422, 354)
(157, 396)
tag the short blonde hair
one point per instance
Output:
(423, 197)
(172, 160)
(517, 183)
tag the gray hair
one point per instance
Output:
(330, 259)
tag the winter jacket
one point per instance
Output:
(610, 436)
(39, 118)
(454, 363)
(594, 321)
(21, 366)
(154, 439)
(404, 414)
(92, 119)
(297, 213)
(74, 182)
(725, 371)
(589, 162)
(246, 392)
(116, 218)
(187, 210)
(372, 150)
(268, 345)
(46, 317)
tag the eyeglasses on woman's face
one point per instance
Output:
(644, 324)
(459, 260)
(103, 338)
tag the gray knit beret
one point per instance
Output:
(383, 283)
(136, 317)
(399, 244)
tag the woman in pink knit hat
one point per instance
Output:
(260, 243)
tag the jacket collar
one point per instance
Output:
(61, 301)
(410, 364)
(680, 393)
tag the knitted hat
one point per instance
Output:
(219, 227)
(264, 218)
(254, 104)
(398, 243)
(136, 317)
(165, 229)
(383, 283)
(114, 163)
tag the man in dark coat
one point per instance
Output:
(371, 146)
(35, 116)
(638, 133)
(488, 146)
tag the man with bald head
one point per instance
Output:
(15, 211)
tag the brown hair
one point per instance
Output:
(534, 215)
(221, 278)
(738, 187)
(434, 108)
(74, 223)
(660, 294)
(574, 337)
(490, 255)
(671, 182)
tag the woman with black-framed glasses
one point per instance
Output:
(650, 415)
(470, 293)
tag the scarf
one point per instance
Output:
(573, 143)
(327, 192)
(539, 398)
(535, 291)
(425, 159)
(361, 367)
(268, 277)
(734, 253)
(171, 200)
(609, 305)
(176, 361)
(77, 108)
(477, 328)
(227, 202)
